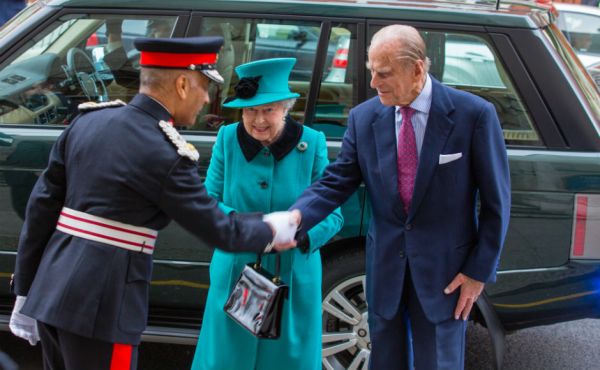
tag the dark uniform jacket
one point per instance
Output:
(115, 163)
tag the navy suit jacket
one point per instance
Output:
(442, 234)
(114, 163)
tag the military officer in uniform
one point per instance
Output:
(115, 176)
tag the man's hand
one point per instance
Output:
(23, 326)
(284, 226)
(470, 289)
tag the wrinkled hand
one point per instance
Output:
(470, 289)
(284, 225)
(21, 325)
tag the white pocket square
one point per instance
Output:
(446, 158)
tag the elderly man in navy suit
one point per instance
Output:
(115, 176)
(426, 153)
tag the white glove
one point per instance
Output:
(284, 225)
(23, 326)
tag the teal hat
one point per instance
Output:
(262, 82)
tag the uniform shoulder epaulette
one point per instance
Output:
(91, 105)
(184, 148)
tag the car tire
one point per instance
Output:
(346, 341)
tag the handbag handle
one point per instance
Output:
(276, 277)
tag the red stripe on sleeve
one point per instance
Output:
(121, 357)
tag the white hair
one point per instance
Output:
(409, 41)
(288, 103)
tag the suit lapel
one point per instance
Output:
(384, 131)
(439, 126)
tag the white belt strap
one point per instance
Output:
(84, 225)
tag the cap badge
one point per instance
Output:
(184, 148)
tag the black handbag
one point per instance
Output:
(256, 301)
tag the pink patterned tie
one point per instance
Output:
(407, 157)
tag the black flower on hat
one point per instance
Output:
(246, 87)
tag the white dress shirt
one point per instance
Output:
(421, 105)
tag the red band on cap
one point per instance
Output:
(175, 60)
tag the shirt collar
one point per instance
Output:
(292, 132)
(422, 102)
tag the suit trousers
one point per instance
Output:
(62, 350)
(410, 339)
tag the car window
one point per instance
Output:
(470, 64)
(42, 45)
(582, 79)
(24, 16)
(254, 39)
(581, 31)
(337, 93)
(77, 59)
(467, 62)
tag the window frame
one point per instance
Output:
(183, 18)
(543, 122)
(9, 54)
(538, 58)
(195, 28)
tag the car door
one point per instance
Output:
(548, 159)
(72, 57)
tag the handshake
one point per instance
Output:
(284, 226)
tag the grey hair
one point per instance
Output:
(288, 103)
(410, 44)
(157, 79)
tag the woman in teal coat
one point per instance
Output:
(263, 163)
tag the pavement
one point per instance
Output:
(572, 345)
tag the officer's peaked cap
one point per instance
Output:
(193, 53)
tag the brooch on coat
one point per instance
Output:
(302, 146)
(184, 148)
(92, 105)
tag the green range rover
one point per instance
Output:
(57, 54)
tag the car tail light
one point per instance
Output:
(340, 60)
(586, 227)
(339, 64)
(92, 40)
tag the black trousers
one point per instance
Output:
(62, 350)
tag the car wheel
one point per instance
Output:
(346, 341)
